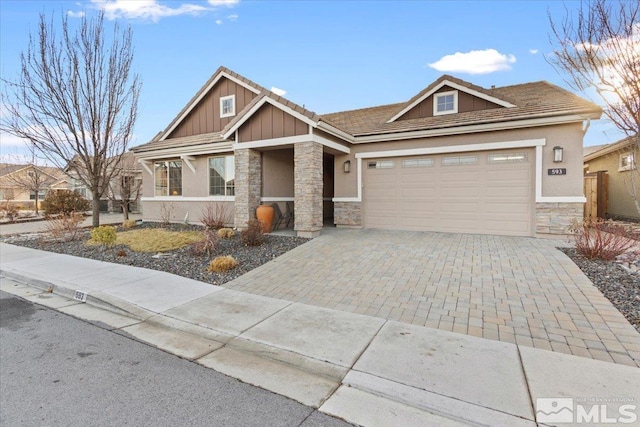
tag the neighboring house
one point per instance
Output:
(618, 161)
(127, 179)
(18, 183)
(454, 158)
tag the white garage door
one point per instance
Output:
(478, 192)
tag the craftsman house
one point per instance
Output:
(454, 158)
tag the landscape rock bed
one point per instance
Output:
(617, 284)
(182, 262)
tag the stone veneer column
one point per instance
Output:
(555, 218)
(347, 214)
(248, 185)
(307, 173)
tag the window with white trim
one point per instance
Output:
(417, 163)
(168, 178)
(227, 106)
(627, 162)
(459, 160)
(507, 158)
(221, 176)
(380, 164)
(445, 103)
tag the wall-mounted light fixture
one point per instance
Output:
(557, 154)
(347, 166)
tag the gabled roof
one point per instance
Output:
(610, 148)
(523, 102)
(531, 100)
(193, 102)
(454, 83)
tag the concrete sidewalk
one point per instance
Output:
(367, 370)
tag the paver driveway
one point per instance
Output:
(514, 289)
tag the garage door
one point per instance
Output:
(478, 192)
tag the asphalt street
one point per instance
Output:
(56, 370)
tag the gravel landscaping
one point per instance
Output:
(617, 283)
(182, 262)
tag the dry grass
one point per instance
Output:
(157, 239)
(222, 264)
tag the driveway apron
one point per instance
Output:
(513, 289)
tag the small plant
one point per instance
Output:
(166, 213)
(207, 245)
(222, 264)
(226, 233)
(65, 227)
(103, 235)
(253, 235)
(600, 239)
(10, 212)
(128, 224)
(64, 202)
(214, 216)
(121, 253)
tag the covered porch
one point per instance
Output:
(299, 174)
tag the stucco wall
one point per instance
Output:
(567, 136)
(177, 210)
(277, 173)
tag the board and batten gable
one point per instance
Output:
(205, 117)
(466, 103)
(270, 122)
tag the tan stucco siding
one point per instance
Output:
(466, 103)
(205, 117)
(177, 210)
(567, 136)
(620, 201)
(277, 173)
(270, 122)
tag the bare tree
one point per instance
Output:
(76, 99)
(126, 186)
(600, 49)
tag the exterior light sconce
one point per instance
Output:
(557, 154)
(347, 166)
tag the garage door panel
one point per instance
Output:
(486, 198)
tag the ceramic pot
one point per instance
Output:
(264, 213)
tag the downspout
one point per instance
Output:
(585, 126)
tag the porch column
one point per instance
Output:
(248, 185)
(307, 171)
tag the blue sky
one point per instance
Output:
(328, 55)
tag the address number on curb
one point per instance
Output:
(557, 171)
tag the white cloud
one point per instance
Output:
(278, 91)
(73, 14)
(152, 10)
(228, 3)
(232, 17)
(475, 62)
(533, 51)
(219, 21)
(9, 140)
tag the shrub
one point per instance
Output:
(11, 212)
(121, 253)
(64, 227)
(103, 235)
(222, 264)
(128, 223)
(252, 235)
(226, 233)
(166, 213)
(214, 216)
(600, 239)
(207, 245)
(64, 202)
